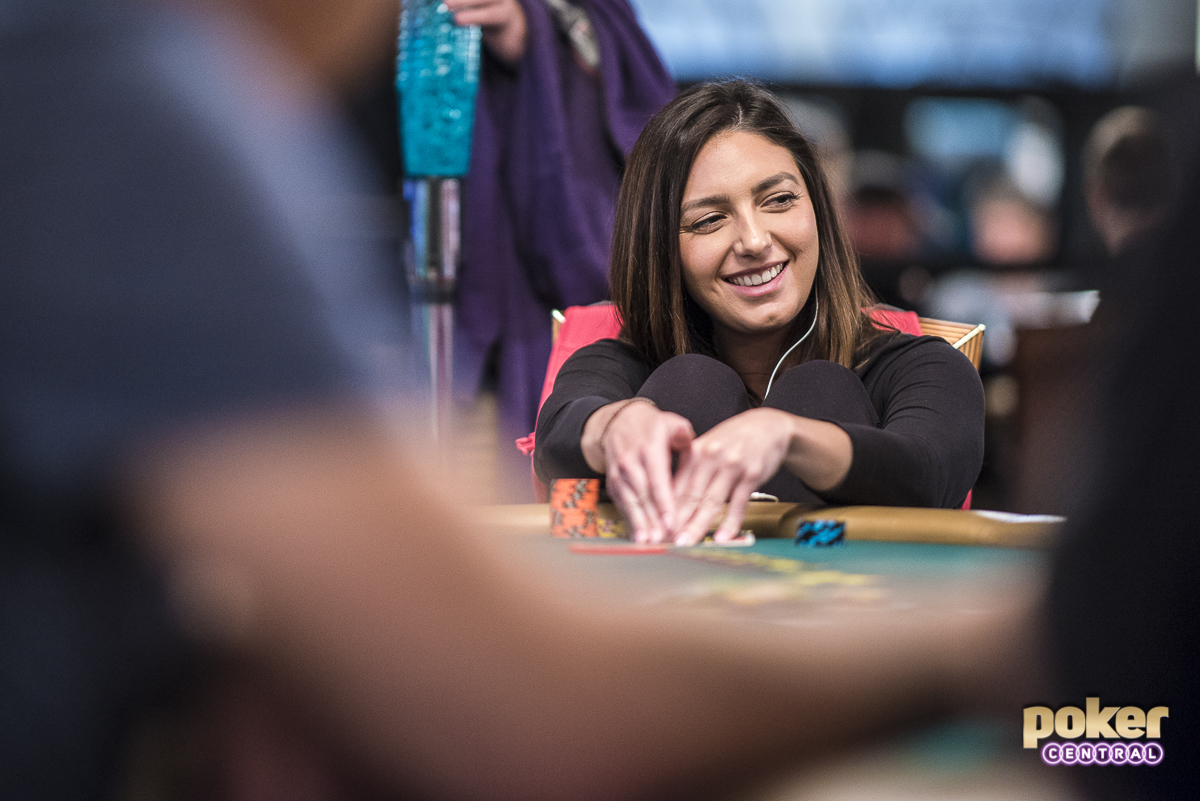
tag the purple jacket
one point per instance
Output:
(548, 148)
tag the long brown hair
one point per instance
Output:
(660, 319)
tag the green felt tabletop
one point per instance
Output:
(901, 558)
(787, 581)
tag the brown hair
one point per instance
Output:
(660, 319)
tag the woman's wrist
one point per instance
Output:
(617, 412)
(597, 427)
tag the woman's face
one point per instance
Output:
(748, 235)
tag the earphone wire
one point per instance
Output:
(811, 326)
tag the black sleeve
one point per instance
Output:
(594, 376)
(928, 448)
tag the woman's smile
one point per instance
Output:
(758, 281)
(748, 235)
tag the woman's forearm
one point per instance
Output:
(819, 453)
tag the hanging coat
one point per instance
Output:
(548, 148)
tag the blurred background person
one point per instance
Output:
(1128, 176)
(565, 87)
(1129, 181)
(1011, 236)
(1008, 227)
(884, 225)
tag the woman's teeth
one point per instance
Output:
(757, 278)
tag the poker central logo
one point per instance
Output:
(1095, 725)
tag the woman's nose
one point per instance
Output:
(753, 237)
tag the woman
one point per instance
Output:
(746, 360)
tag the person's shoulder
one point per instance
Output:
(897, 349)
(600, 367)
(614, 349)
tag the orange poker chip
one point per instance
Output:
(573, 504)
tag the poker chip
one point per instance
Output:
(573, 507)
(820, 533)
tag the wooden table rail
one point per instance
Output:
(877, 523)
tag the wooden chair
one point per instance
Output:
(581, 325)
(963, 336)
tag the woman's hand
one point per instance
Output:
(734, 458)
(633, 443)
(503, 24)
(726, 464)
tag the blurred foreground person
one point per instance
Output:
(197, 467)
(1126, 589)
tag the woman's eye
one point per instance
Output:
(781, 200)
(703, 224)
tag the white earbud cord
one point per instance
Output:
(812, 325)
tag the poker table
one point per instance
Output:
(890, 559)
(888, 556)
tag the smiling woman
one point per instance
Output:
(748, 244)
(744, 335)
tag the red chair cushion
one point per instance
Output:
(582, 325)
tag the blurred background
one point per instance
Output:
(955, 131)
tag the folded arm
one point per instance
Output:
(313, 547)
(928, 447)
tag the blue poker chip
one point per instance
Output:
(820, 533)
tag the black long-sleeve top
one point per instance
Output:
(926, 451)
